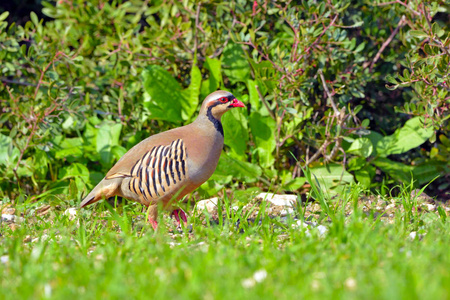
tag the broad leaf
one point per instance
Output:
(263, 131)
(191, 94)
(234, 63)
(108, 137)
(239, 170)
(236, 132)
(411, 135)
(398, 171)
(163, 94)
(332, 178)
(361, 146)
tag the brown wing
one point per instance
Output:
(158, 172)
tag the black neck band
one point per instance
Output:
(217, 123)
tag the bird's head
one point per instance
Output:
(219, 102)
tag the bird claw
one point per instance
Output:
(179, 213)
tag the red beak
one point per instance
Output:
(236, 103)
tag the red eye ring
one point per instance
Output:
(223, 99)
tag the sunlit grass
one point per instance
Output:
(113, 253)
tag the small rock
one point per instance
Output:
(413, 235)
(279, 200)
(350, 283)
(8, 218)
(286, 211)
(4, 259)
(11, 218)
(430, 207)
(260, 275)
(209, 204)
(390, 206)
(299, 223)
(322, 230)
(43, 237)
(13, 226)
(9, 211)
(27, 239)
(71, 213)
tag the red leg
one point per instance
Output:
(153, 216)
(180, 213)
(154, 223)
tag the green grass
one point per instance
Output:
(103, 254)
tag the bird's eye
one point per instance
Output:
(223, 99)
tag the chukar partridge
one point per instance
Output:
(167, 166)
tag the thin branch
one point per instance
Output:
(330, 99)
(401, 3)
(265, 103)
(401, 23)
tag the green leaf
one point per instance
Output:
(418, 33)
(365, 175)
(396, 170)
(74, 170)
(163, 94)
(34, 18)
(69, 147)
(192, 94)
(263, 131)
(362, 147)
(255, 102)
(236, 132)
(427, 171)
(108, 137)
(234, 63)
(331, 178)
(8, 152)
(239, 170)
(411, 135)
(215, 69)
(360, 47)
(4, 15)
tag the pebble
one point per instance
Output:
(210, 205)
(71, 213)
(4, 259)
(11, 218)
(279, 200)
(322, 230)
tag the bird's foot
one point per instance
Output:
(179, 213)
(152, 222)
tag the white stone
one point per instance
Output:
(260, 275)
(322, 230)
(4, 259)
(8, 218)
(350, 283)
(210, 205)
(71, 213)
(286, 211)
(390, 206)
(431, 207)
(12, 218)
(279, 200)
(299, 223)
(413, 235)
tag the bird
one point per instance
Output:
(165, 167)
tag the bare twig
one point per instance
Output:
(401, 23)
(401, 3)
(265, 103)
(330, 99)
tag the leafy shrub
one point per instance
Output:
(98, 77)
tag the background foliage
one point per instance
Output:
(356, 91)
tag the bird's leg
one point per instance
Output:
(153, 216)
(178, 212)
